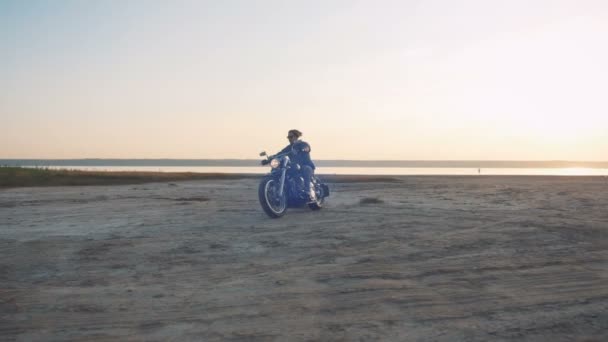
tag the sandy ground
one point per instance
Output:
(440, 259)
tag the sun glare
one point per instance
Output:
(577, 171)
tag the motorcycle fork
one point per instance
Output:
(282, 182)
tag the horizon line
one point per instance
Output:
(316, 159)
(165, 162)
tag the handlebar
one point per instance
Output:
(269, 158)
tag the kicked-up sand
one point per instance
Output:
(432, 258)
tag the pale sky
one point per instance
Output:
(423, 80)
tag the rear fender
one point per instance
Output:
(325, 190)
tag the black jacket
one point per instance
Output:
(299, 152)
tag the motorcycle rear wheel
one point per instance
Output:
(320, 198)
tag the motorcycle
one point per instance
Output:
(284, 187)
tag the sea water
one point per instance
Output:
(357, 170)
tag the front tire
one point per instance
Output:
(274, 205)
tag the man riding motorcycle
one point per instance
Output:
(299, 152)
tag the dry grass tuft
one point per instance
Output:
(359, 179)
(370, 200)
(11, 177)
(24, 177)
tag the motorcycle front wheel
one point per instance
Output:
(274, 205)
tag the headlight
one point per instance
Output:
(274, 163)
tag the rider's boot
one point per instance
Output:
(312, 196)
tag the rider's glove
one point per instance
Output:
(265, 162)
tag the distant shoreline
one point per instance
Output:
(322, 163)
(12, 177)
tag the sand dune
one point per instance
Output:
(433, 258)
